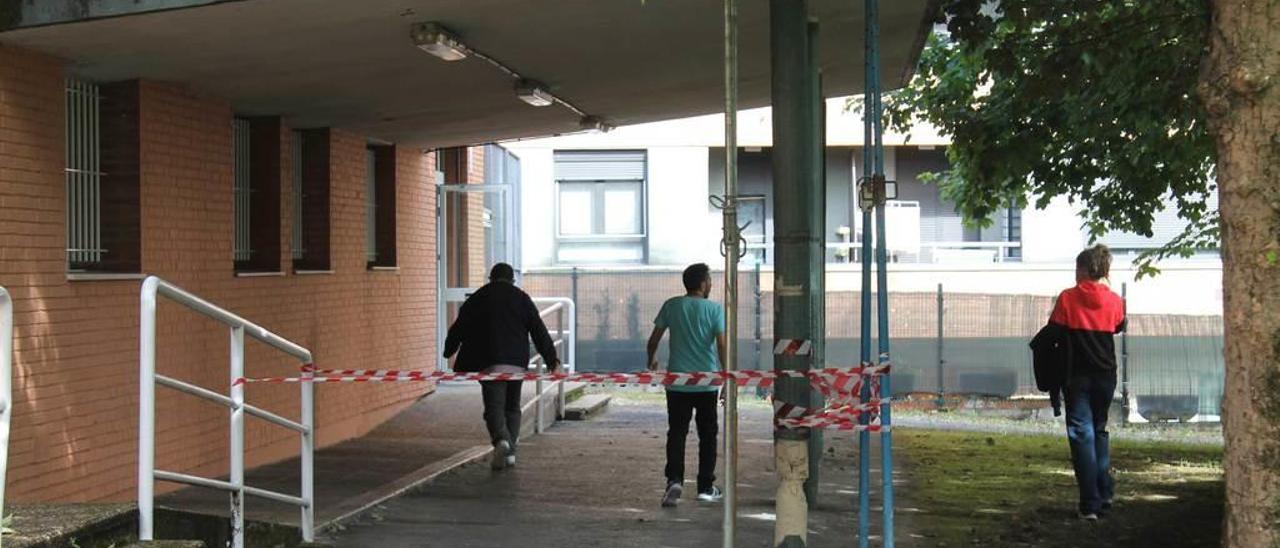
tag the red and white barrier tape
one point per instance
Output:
(793, 347)
(838, 377)
(840, 387)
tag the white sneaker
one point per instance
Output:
(1088, 516)
(511, 460)
(711, 495)
(501, 452)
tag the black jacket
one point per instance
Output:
(1051, 360)
(493, 328)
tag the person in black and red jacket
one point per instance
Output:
(1088, 316)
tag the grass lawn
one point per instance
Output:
(979, 489)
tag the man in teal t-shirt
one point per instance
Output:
(697, 345)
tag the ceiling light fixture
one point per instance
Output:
(433, 38)
(534, 93)
(594, 123)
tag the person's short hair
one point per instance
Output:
(502, 272)
(695, 274)
(1095, 262)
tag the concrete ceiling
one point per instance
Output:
(352, 64)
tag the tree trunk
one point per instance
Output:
(1240, 87)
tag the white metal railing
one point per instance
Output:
(154, 287)
(999, 249)
(6, 384)
(566, 338)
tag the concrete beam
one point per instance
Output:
(19, 14)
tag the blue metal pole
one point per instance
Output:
(864, 437)
(882, 274)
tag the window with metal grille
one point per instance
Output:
(256, 185)
(311, 200)
(380, 206)
(84, 176)
(296, 233)
(242, 189)
(601, 206)
(370, 206)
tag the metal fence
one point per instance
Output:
(944, 343)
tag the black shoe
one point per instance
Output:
(672, 495)
(711, 495)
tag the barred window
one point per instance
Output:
(84, 176)
(242, 189)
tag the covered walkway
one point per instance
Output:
(598, 483)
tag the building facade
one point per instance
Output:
(321, 234)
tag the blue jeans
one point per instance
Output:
(1088, 400)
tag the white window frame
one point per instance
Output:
(598, 235)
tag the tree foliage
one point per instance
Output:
(1094, 100)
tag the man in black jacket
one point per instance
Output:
(493, 329)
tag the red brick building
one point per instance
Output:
(76, 346)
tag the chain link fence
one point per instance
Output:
(943, 343)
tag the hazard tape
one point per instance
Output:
(793, 347)
(841, 388)
(837, 378)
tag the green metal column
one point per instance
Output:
(799, 218)
(817, 229)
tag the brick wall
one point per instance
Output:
(74, 434)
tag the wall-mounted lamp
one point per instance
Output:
(433, 38)
(534, 93)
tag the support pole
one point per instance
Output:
(882, 273)
(942, 393)
(732, 241)
(864, 335)
(147, 410)
(799, 218)
(818, 158)
(1124, 357)
(237, 437)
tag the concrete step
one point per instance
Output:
(582, 408)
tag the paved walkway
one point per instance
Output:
(434, 434)
(598, 483)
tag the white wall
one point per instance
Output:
(681, 228)
(537, 206)
(1052, 234)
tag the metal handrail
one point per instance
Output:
(560, 306)
(154, 287)
(6, 384)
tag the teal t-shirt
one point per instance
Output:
(694, 324)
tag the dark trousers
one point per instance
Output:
(1088, 400)
(680, 408)
(502, 410)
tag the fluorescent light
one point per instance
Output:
(433, 38)
(594, 123)
(534, 93)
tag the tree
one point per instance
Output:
(1118, 105)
